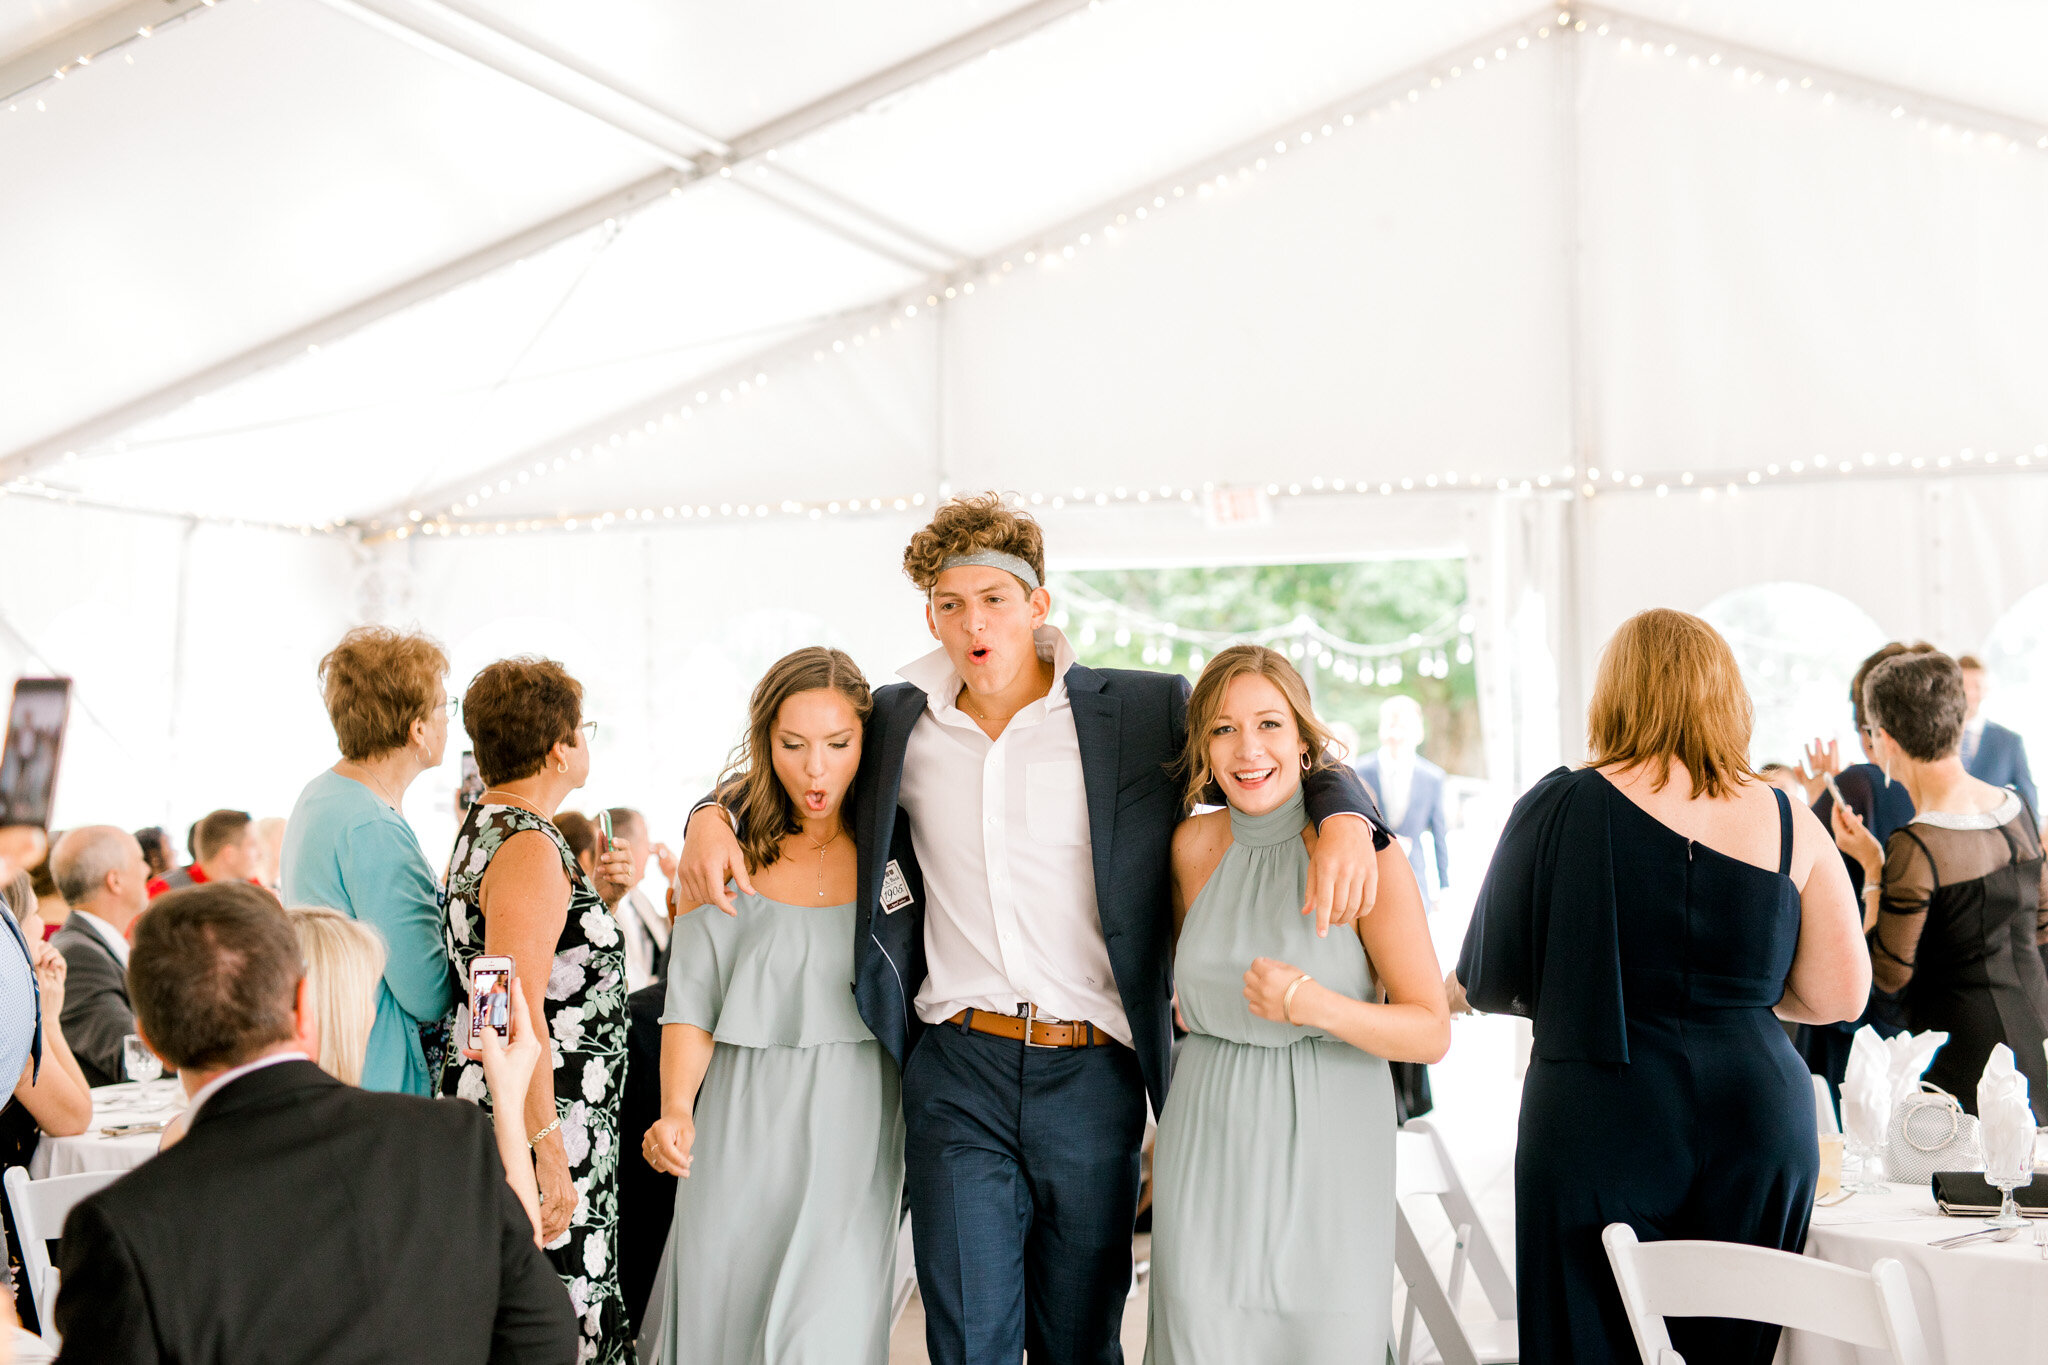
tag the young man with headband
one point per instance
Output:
(1014, 813)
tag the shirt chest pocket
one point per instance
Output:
(1056, 803)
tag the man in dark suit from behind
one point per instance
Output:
(298, 1218)
(1991, 752)
(103, 877)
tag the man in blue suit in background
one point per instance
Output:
(1992, 753)
(1410, 790)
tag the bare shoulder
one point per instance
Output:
(527, 853)
(1199, 843)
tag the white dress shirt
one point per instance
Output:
(645, 930)
(1397, 780)
(1001, 827)
(235, 1073)
(107, 933)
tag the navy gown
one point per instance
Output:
(1663, 1092)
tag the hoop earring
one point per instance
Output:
(1304, 761)
(562, 767)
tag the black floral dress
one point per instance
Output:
(586, 1014)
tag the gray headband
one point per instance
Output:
(996, 559)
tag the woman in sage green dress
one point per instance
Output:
(1273, 1177)
(780, 1110)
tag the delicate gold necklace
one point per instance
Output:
(515, 796)
(370, 779)
(821, 854)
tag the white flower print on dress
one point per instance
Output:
(594, 1255)
(576, 1133)
(458, 922)
(579, 1295)
(568, 1028)
(566, 976)
(595, 1077)
(599, 926)
(471, 1085)
(602, 1147)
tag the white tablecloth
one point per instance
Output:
(112, 1105)
(1978, 1304)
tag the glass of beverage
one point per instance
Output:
(1830, 1165)
(138, 1061)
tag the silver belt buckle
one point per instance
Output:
(1030, 1018)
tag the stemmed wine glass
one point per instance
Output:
(138, 1061)
(2008, 1164)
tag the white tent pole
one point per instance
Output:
(953, 52)
(1583, 418)
(926, 292)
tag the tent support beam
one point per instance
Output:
(88, 38)
(935, 61)
(1383, 90)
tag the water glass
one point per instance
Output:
(138, 1061)
(2009, 1164)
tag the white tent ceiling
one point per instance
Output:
(314, 261)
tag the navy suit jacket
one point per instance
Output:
(2001, 760)
(1425, 813)
(1130, 726)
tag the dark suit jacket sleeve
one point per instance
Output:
(96, 1012)
(103, 1308)
(2023, 777)
(536, 1324)
(1334, 789)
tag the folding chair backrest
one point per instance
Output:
(38, 1209)
(1480, 1256)
(1426, 1298)
(1824, 1106)
(1661, 1280)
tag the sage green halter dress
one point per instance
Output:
(1273, 1177)
(783, 1249)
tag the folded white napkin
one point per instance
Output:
(1883, 1073)
(2004, 1117)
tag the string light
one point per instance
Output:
(24, 97)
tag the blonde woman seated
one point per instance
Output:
(780, 1110)
(1273, 1213)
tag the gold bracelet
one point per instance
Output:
(534, 1141)
(1287, 1000)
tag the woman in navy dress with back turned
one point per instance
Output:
(1650, 912)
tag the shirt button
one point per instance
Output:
(991, 819)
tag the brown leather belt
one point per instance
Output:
(1031, 1031)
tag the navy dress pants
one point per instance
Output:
(1022, 1169)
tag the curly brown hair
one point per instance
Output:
(969, 523)
(376, 683)
(515, 711)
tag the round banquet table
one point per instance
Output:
(112, 1106)
(1977, 1303)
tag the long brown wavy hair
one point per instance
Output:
(1228, 665)
(751, 790)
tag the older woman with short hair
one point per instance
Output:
(515, 889)
(348, 847)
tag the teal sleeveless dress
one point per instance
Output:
(1273, 1175)
(783, 1249)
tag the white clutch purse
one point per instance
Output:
(1929, 1133)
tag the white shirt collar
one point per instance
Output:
(935, 676)
(1975, 724)
(108, 935)
(235, 1073)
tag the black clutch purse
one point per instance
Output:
(1969, 1194)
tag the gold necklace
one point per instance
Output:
(515, 796)
(821, 853)
(375, 785)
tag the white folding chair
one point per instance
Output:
(1422, 1166)
(1824, 1107)
(38, 1209)
(1662, 1280)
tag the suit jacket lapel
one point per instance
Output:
(1095, 727)
(894, 721)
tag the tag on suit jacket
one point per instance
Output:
(895, 889)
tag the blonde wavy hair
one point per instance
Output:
(344, 963)
(1240, 661)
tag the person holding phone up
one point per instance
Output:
(514, 890)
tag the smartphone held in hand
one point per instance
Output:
(604, 827)
(35, 743)
(490, 998)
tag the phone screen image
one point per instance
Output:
(490, 997)
(472, 788)
(35, 743)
